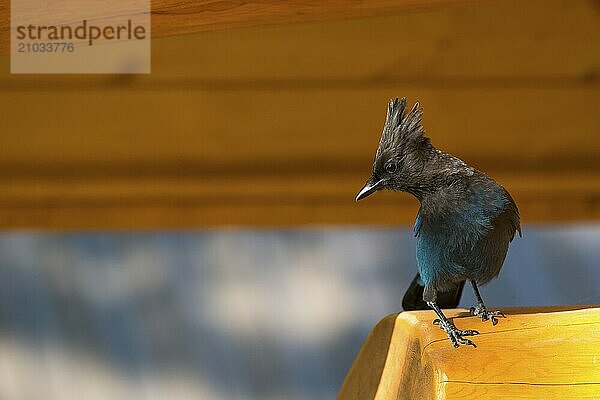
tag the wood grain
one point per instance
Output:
(532, 354)
(171, 17)
(446, 46)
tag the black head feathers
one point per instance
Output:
(401, 130)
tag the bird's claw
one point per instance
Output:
(484, 314)
(455, 334)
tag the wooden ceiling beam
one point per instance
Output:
(174, 17)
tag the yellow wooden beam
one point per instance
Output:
(544, 353)
(439, 47)
(84, 199)
(257, 157)
(171, 17)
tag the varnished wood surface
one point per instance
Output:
(532, 354)
(170, 17)
(277, 125)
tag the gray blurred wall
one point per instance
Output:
(232, 314)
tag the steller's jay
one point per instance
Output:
(464, 225)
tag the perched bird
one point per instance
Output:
(465, 222)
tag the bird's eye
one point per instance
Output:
(391, 167)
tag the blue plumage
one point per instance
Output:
(466, 220)
(465, 233)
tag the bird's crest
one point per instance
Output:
(401, 129)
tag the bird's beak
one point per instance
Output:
(369, 189)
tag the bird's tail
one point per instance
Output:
(413, 298)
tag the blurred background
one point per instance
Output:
(192, 233)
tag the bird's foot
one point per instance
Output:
(485, 314)
(455, 334)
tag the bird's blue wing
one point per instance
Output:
(418, 223)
